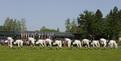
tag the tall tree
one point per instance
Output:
(43, 29)
(67, 25)
(14, 25)
(18, 25)
(6, 26)
(58, 30)
(1, 28)
(98, 24)
(73, 26)
(85, 21)
(23, 24)
(113, 21)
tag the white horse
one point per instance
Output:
(86, 42)
(103, 42)
(69, 43)
(78, 43)
(19, 42)
(95, 44)
(10, 40)
(41, 43)
(119, 39)
(50, 42)
(112, 44)
(32, 40)
(58, 43)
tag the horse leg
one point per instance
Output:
(34, 47)
(30, 46)
(78, 46)
(88, 47)
(34, 43)
(72, 47)
(95, 47)
(104, 46)
(56, 48)
(9, 44)
(40, 46)
(43, 47)
(68, 47)
(111, 47)
(50, 46)
(21, 45)
(98, 47)
(85, 47)
(18, 45)
(60, 47)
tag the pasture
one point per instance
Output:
(27, 54)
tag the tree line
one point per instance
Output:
(90, 23)
(14, 25)
(20, 25)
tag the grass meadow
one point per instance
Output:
(27, 54)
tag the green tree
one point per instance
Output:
(14, 25)
(113, 22)
(6, 26)
(18, 25)
(98, 24)
(85, 22)
(23, 24)
(44, 29)
(73, 27)
(58, 30)
(1, 28)
(67, 25)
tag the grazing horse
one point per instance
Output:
(86, 42)
(41, 43)
(112, 44)
(103, 42)
(58, 43)
(69, 43)
(50, 42)
(19, 42)
(95, 44)
(10, 40)
(32, 42)
(78, 43)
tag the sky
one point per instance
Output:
(51, 13)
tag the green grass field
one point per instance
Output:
(64, 54)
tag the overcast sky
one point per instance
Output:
(51, 13)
